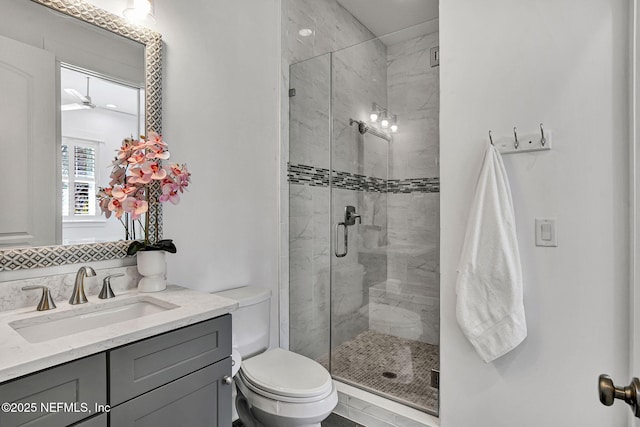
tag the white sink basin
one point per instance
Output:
(87, 317)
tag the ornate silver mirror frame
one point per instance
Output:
(49, 256)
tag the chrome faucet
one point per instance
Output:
(78, 296)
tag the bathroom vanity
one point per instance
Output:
(166, 369)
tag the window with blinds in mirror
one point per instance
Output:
(79, 176)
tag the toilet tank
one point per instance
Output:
(250, 321)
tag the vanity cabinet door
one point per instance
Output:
(201, 399)
(145, 365)
(56, 397)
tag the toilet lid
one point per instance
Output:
(284, 373)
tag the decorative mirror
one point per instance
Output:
(29, 212)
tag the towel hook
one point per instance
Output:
(515, 135)
(543, 140)
(490, 138)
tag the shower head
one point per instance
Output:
(364, 128)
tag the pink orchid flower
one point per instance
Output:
(120, 192)
(137, 157)
(137, 164)
(155, 170)
(117, 176)
(135, 206)
(105, 192)
(104, 207)
(156, 138)
(170, 193)
(116, 206)
(138, 176)
(181, 176)
(122, 155)
(156, 152)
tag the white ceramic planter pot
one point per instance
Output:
(153, 269)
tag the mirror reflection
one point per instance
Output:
(97, 112)
(71, 93)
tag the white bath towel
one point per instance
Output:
(489, 306)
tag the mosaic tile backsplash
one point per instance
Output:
(320, 177)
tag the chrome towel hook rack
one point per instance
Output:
(523, 143)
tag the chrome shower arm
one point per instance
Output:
(364, 128)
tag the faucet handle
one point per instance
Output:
(46, 302)
(106, 291)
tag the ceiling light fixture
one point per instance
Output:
(305, 32)
(111, 106)
(139, 11)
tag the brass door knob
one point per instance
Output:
(608, 393)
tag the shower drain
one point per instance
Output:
(388, 374)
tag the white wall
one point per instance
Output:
(220, 116)
(512, 63)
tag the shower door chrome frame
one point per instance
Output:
(634, 151)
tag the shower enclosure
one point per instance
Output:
(364, 217)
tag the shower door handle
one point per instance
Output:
(346, 240)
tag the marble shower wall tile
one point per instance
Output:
(349, 290)
(359, 78)
(308, 137)
(333, 27)
(413, 257)
(316, 15)
(414, 95)
(309, 270)
(310, 126)
(400, 77)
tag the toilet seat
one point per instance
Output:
(286, 376)
(312, 412)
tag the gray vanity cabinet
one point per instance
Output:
(178, 378)
(200, 399)
(78, 383)
(145, 365)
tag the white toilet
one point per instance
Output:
(275, 388)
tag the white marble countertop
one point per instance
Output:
(19, 357)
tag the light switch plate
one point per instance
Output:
(546, 235)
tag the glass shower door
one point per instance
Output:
(363, 218)
(384, 287)
(309, 207)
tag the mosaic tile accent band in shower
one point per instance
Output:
(319, 177)
(414, 185)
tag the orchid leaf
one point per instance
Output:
(161, 245)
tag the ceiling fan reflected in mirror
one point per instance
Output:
(83, 101)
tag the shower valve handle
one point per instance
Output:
(350, 216)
